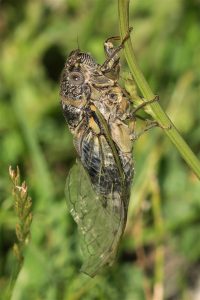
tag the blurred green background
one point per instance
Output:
(159, 257)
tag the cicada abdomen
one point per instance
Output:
(98, 186)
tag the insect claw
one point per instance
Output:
(127, 36)
(165, 127)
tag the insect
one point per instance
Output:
(97, 111)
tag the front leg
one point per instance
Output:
(111, 64)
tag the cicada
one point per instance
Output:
(97, 111)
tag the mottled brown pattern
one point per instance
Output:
(97, 112)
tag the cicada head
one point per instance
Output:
(75, 77)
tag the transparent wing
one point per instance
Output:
(100, 227)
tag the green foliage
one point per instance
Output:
(160, 250)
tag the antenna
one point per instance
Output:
(77, 41)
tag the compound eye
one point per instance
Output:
(76, 78)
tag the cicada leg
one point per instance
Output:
(151, 124)
(156, 98)
(111, 64)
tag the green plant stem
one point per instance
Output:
(157, 112)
